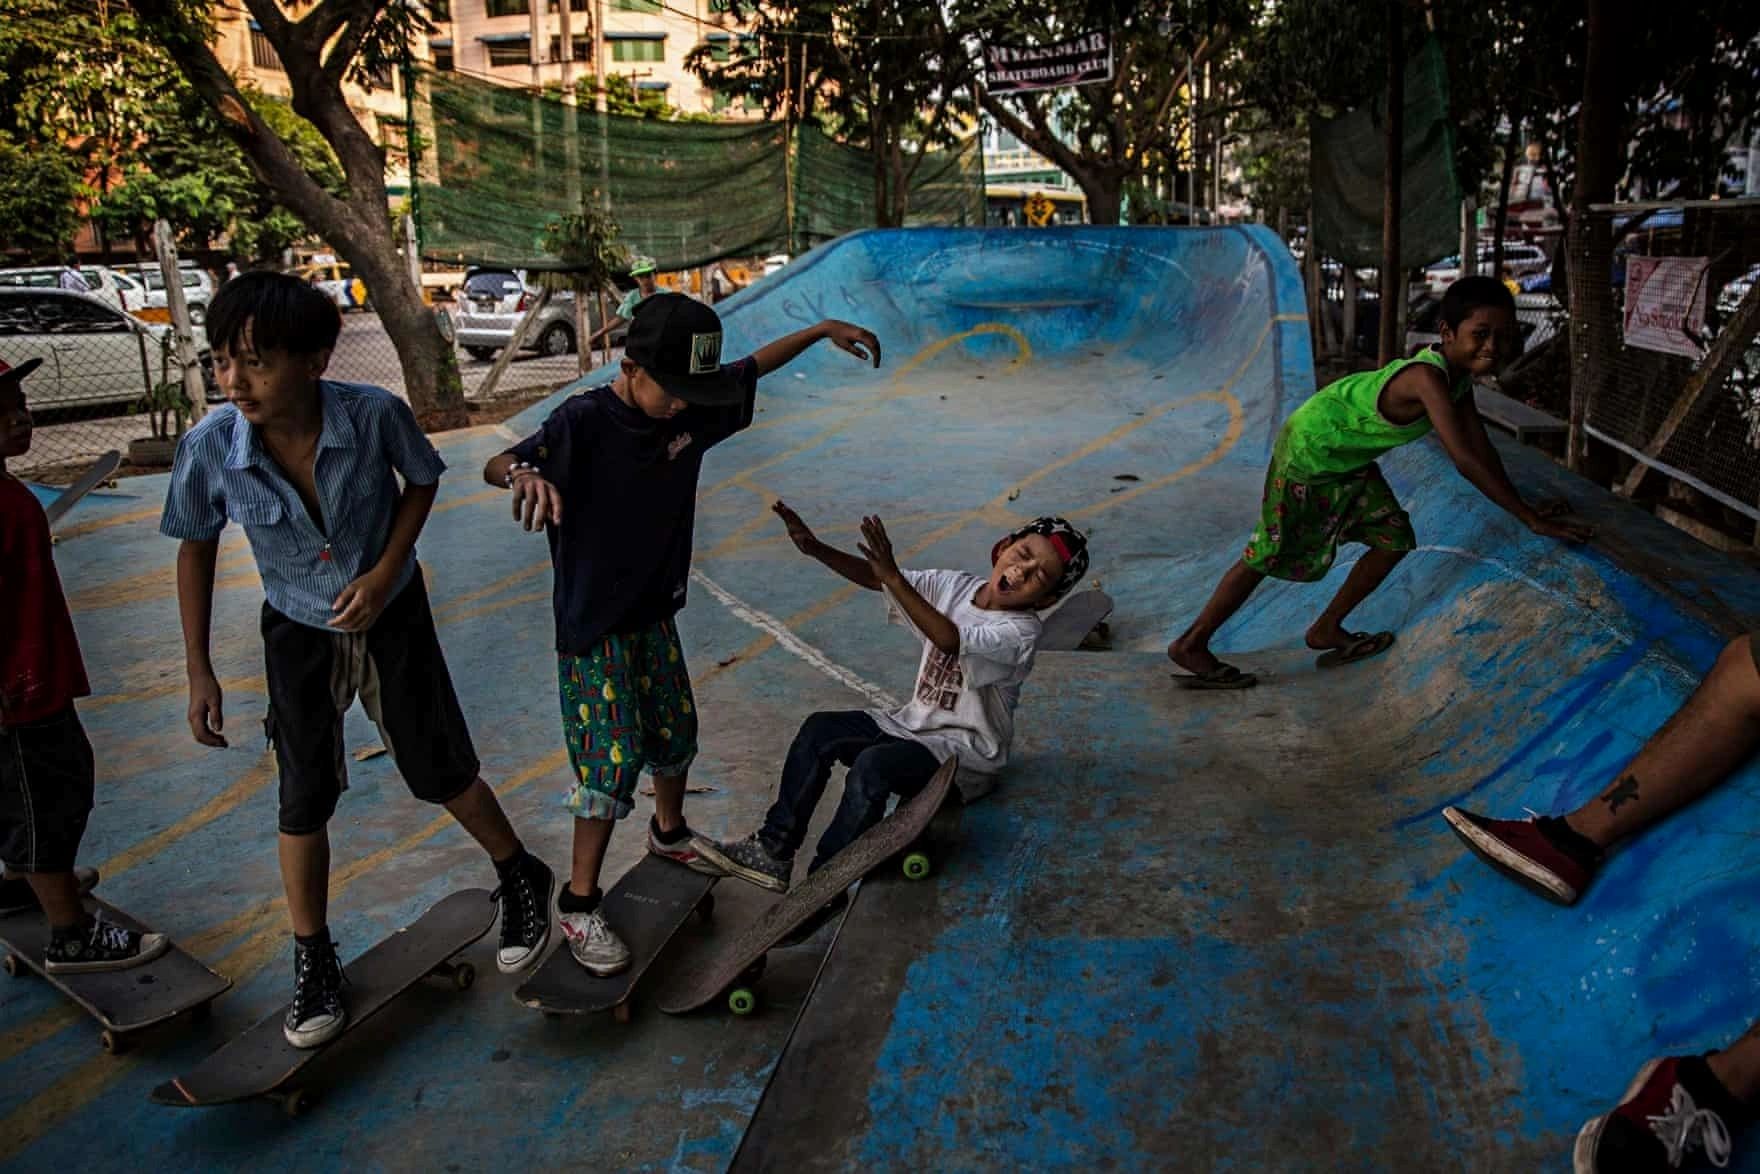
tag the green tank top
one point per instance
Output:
(1341, 428)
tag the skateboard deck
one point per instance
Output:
(124, 1002)
(261, 1063)
(1080, 615)
(102, 469)
(647, 905)
(733, 967)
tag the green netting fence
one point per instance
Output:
(500, 164)
(834, 189)
(1348, 158)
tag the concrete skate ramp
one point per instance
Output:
(1231, 930)
(1187, 932)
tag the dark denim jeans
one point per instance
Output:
(879, 766)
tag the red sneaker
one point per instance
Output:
(684, 851)
(1670, 1110)
(1521, 851)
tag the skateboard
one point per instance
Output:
(1078, 622)
(102, 470)
(124, 1002)
(261, 1063)
(647, 905)
(733, 970)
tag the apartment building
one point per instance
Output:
(645, 40)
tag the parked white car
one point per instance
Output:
(94, 356)
(1519, 259)
(109, 286)
(198, 289)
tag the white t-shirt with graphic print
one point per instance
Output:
(964, 705)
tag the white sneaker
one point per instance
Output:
(594, 944)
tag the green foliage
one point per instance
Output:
(39, 193)
(585, 243)
(190, 173)
(84, 85)
(888, 76)
(622, 97)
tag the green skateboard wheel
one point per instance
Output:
(742, 1001)
(916, 865)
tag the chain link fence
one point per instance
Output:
(107, 376)
(1671, 372)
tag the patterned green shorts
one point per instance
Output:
(1301, 524)
(625, 706)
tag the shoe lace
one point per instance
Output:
(311, 991)
(521, 919)
(109, 936)
(1684, 1125)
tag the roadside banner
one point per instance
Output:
(1665, 304)
(1014, 69)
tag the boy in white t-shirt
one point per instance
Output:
(979, 637)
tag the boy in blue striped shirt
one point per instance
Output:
(309, 468)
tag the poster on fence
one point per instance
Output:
(1665, 304)
(1014, 69)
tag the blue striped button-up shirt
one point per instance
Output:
(223, 474)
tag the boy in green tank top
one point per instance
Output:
(1323, 486)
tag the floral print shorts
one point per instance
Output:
(626, 706)
(1301, 524)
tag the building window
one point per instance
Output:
(638, 5)
(510, 53)
(720, 48)
(721, 101)
(443, 60)
(507, 7)
(577, 5)
(722, 5)
(583, 48)
(645, 50)
(263, 54)
(440, 10)
(382, 77)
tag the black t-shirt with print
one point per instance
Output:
(629, 500)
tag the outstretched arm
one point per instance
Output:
(1462, 433)
(850, 566)
(844, 336)
(876, 547)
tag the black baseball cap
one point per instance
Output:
(16, 374)
(677, 340)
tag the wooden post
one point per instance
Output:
(183, 337)
(1469, 236)
(1350, 312)
(412, 258)
(493, 378)
(1392, 277)
(1600, 159)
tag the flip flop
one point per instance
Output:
(1361, 647)
(1223, 676)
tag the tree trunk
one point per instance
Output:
(1599, 159)
(1105, 192)
(357, 225)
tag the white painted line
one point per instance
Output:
(508, 434)
(779, 631)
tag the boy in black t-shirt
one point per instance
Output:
(611, 477)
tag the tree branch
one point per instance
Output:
(268, 156)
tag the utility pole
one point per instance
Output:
(600, 105)
(1392, 278)
(571, 149)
